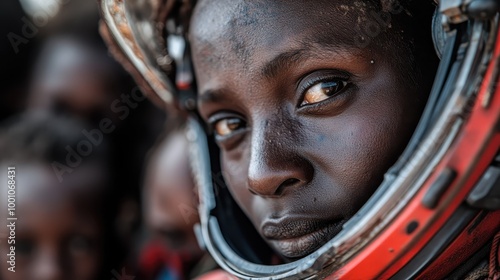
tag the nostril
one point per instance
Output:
(291, 181)
(287, 183)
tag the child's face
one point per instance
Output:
(306, 121)
(70, 75)
(171, 207)
(57, 234)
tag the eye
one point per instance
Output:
(25, 247)
(227, 126)
(322, 90)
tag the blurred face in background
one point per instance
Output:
(170, 199)
(59, 228)
(73, 77)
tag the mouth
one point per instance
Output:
(295, 238)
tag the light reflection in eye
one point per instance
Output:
(227, 126)
(322, 91)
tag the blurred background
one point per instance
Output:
(92, 156)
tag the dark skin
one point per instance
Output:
(307, 120)
(59, 229)
(74, 77)
(171, 206)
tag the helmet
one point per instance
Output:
(437, 211)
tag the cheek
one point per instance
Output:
(362, 144)
(87, 268)
(235, 174)
(4, 266)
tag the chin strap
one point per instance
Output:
(494, 273)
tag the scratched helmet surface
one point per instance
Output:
(436, 212)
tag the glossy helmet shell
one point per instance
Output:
(437, 210)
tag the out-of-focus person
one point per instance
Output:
(170, 212)
(75, 76)
(62, 201)
(73, 73)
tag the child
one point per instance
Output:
(61, 231)
(310, 104)
(171, 211)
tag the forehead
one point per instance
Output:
(169, 168)
(233, 39)
(245, 27)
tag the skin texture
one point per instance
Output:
(58, 232)
(298, 162)
(171, 207)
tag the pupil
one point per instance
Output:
(330, 88)
(25, 247)
(233, 124)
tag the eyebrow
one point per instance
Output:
(287, 59)
(310, 47)
(270, 70)
(211, 96)
(282, 61)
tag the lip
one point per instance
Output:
(295, 238)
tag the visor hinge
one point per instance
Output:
(458, 11)
(454, 11)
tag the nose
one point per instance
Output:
(276, 164)
(48, 266)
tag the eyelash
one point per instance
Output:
(212, 122)
(304, 86)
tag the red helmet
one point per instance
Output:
(437, 213)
